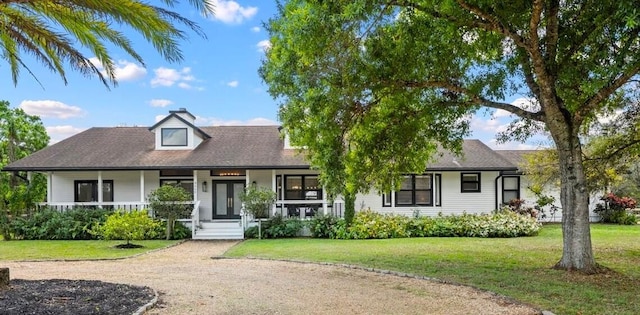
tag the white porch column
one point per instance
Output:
(49, 187)
(142, 196)
(196, 185)
(393, 200)
(100, 189)
(274, 188)
(325, 209)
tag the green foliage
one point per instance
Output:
(258, 201)
(20, 136)
(369, 224)
(616, 210)
(180, 231)
(62, 32)
(276, 227)
(349, 207)
(170, 202)
(323, 226)
(51, 224)
(128, 226)
(372, 88)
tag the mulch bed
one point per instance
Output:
(57, 296)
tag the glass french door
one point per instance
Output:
(226, 199)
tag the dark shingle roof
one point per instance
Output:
(134, 148)
(515, 156)
(122, 148)
(476, 156)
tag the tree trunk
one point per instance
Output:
(170, 222)
(577, 253)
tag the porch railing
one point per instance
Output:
(122, 205)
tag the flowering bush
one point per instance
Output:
(368, 224)
(615, 209)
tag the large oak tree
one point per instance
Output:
(58, 32)
(372, 88)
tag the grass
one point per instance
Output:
(73, 250)
(516, 267)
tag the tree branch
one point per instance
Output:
(616, 152)
(475, 99)
(606, 91)
(552, 36)
(494, 24)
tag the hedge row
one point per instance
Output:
(75, 224)
(368, 224)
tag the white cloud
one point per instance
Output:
(212, 121)
(490, 125)
(255, 29)
(123, 70)
(233, 83)
(529, 104)
(168, 77)
(231, 12)
(184, 85)
(49, 108)
(59, 133)
(263, 45)
(493, 143)
(160, 102)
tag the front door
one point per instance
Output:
(226, 199)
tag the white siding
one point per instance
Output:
(193, 140)
(554, 191)
(453, 200)
(126, 184)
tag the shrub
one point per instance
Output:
(323, 226)
(128, 226)
(51, 224)
(615, 210)
(258, 201)
(369, 224)
(276, 227)
(170, 202)
(180, 231)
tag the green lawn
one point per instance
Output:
(517, 267)
(47, 250)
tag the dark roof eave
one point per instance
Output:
(145, 168)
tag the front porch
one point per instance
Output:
(215, 229)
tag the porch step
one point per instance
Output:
(220, 230)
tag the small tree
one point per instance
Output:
(128, 226)
(258, 201)
(170, 202)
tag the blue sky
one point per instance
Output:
(217, 81)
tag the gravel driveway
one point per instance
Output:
(190, 282)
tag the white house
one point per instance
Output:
(118, 167)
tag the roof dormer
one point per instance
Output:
(178, 132)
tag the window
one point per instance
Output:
(470, 182)
(415, 190)
(386, 199)
(176, 173)
(300, 187)
(87, 190)
(174, 137)
(510, 188)
(186, 184)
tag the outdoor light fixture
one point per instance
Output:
(204, 186)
